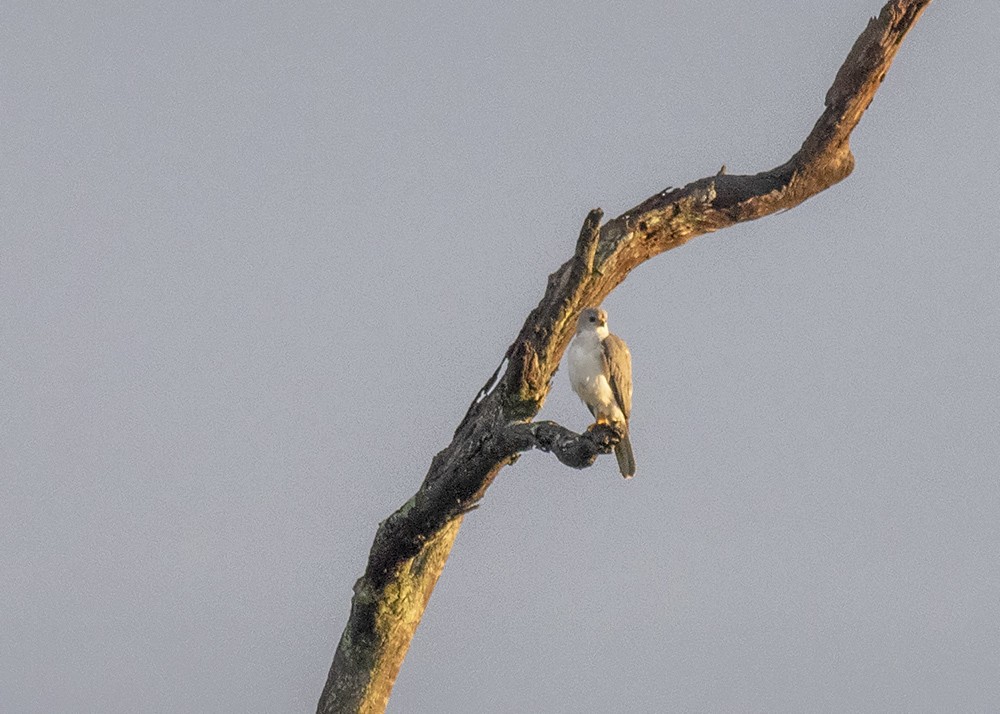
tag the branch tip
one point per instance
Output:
(586, 244)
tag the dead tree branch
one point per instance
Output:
(412, 545)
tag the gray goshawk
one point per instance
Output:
(600, 371)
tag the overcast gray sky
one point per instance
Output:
(258, 258)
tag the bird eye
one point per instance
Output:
(593, 319)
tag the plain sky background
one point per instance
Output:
(257, 259)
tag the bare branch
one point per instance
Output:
(412, 545)
(572, 449)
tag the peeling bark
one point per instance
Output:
(412, 545)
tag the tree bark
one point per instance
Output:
(412, 545)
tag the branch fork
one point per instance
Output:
(412, 545)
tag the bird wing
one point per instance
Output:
(618, 370)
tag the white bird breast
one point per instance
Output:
(586, 376)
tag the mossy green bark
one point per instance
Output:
(365, 668)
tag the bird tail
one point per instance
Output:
(626, 461)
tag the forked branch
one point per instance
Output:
(412, 545)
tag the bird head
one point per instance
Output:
(593, 318)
